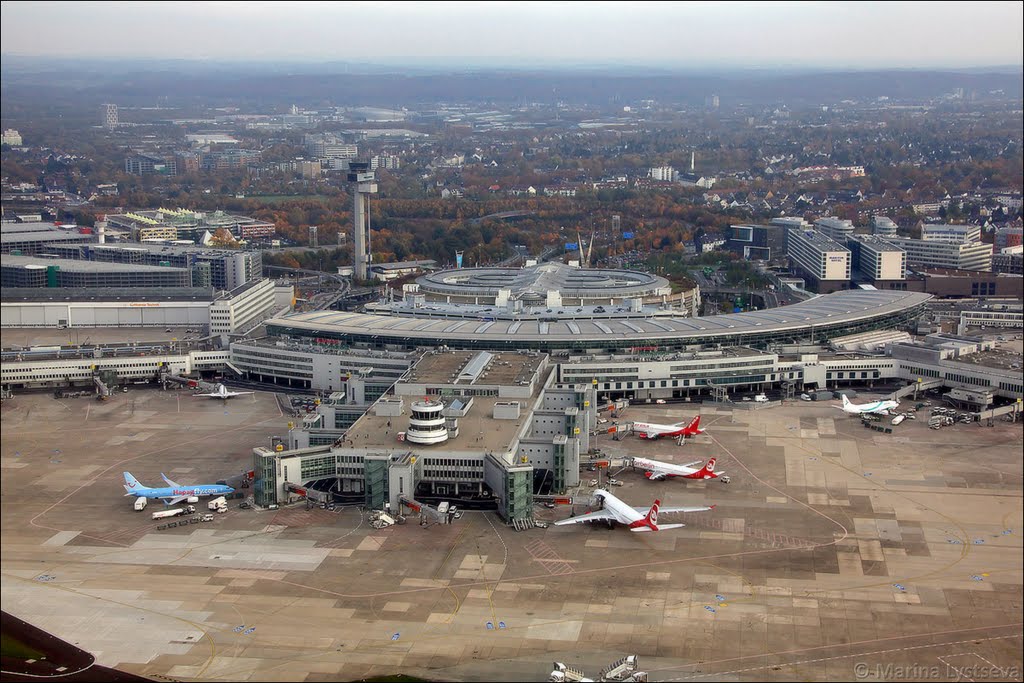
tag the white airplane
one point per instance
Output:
(637, 519)
(223, 393)
(648, 430)
(660, 470)
(880, 407)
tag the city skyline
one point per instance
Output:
(556, 34)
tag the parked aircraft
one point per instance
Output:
(173, 493)
(648, 430)
(222, 392)
(637, 519)
(880, 407)
(660, 470)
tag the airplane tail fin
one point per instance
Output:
(694, 425)
(651, 519)
(131, 484)
(709, 468)
(846, 401)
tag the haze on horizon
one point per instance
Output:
(717, 35)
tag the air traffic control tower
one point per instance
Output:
(359, 173)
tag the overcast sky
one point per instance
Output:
(698, 34)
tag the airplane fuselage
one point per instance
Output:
(183, 491)
(668, 470)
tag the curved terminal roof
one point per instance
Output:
(536, 281)
(832, 314)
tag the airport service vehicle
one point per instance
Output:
(140, 504)
(161, 514)
(898, 419)
(218, 502)
(173, 493)
(651, 430)
(637, 519)
(656, 470)
(805, 397)
(880, 407)
(207, 517)
(761, 398)
(442, 507)
(222, 392)
(614, 482)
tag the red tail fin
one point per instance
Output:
(694, 426)
(709, 468)
(651, 519)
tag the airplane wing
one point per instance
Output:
(643, 511)
(198, 395)
(657, 475)
(596, 516)
(695, 462)
(170, 483)
(174, 501)
(240, 393)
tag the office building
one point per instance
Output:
(664, 173)
(1008, 236)
(834, 228)
(790, 222)
(108, 116)
(1009, 260)
(943, 254)
(952, 234)
(883, 226)
(759, 242)
(823, 262)
(11, 137)
(243, 307)
(327, 146)
(145, 164)
(877, 261)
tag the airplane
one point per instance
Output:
(660, 470)
(637, 519)
(173, 493)
(647, 430)
(223, 393)
(880, 407)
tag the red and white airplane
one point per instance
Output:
(637, 519)
(648, 430)
(656, 470)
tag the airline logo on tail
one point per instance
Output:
(650, 520)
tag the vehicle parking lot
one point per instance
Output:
(833, 545)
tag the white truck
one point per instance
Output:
(899, 418)
(163, 514)
(761, 398)
(140, 504)
(218, 503)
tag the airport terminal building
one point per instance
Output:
(475, 427)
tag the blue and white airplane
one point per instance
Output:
(880, 407)
(173, 493)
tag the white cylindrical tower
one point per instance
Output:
(427, 424)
